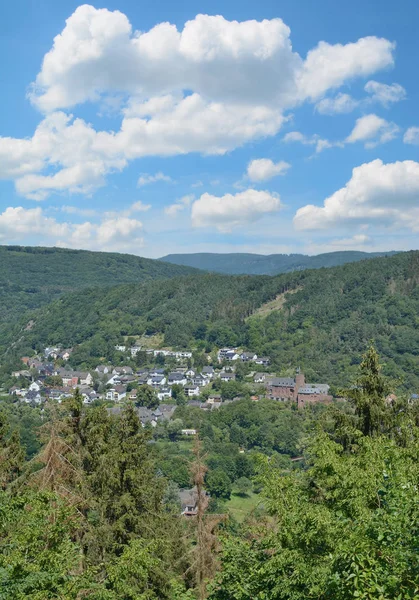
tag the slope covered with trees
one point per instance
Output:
(273, 264)
(322, 319)
(33, 276)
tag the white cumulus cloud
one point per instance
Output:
(412, 136)
(208, 87)
(118, 233)
(379, 193)
(173, 209)
(339, 104)
(262, 169)
(146, 179)
(372, 130)
(385, 94)
(233, 210)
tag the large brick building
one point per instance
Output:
(297, 390)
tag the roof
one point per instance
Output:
(282, 382)
(176, 376)
(188, 497)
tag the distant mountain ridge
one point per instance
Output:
(272, 264)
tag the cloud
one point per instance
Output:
(412, 136)
(383, 194)
(116, 233)
(385, 94)
(372, 130)
(180, 91)
(140, 207)
(329, 66)
(75, 210)
(233, 210)
(179, 206)
(359, 241)
(17, 222)
(146, 179)
(340, 104)
(313, 140)
(262, 169)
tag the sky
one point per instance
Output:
(276, 126)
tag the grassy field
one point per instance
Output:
(241, 506)
(272, 305)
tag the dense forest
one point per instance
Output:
(94, 512)
(320, 320)
(272, 264)
(31, 277)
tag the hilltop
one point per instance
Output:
(273, 264)
(321, 320)
(33, 276)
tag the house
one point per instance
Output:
(260, 377)
(263, 360)
(65, 354)
(83, 378)
(115, 379)
(127, 371)
(189, 502)
(135, 350)
(199, 381)
(248, 356)
(222, 353)
(281, 388)
(166, 411)
(35, 386)
(156, 372)
(287, 388)
(310, 393)
(188, 431)
(192, 390)
(226, 377)
(208, 372)
(33, 397)
(177, 378)
(120, 348)
(190, 373)
(157, 381)
(231, 355)
(163, 393)
(103, 369)
(117, 393)
(213, 398)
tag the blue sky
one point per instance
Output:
(262, 127)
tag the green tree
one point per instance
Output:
(147, 397)
(218, 484)
(242, 486)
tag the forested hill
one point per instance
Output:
(32, 276)
(273, 264)
(320, 320)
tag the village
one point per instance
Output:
(169, 379)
